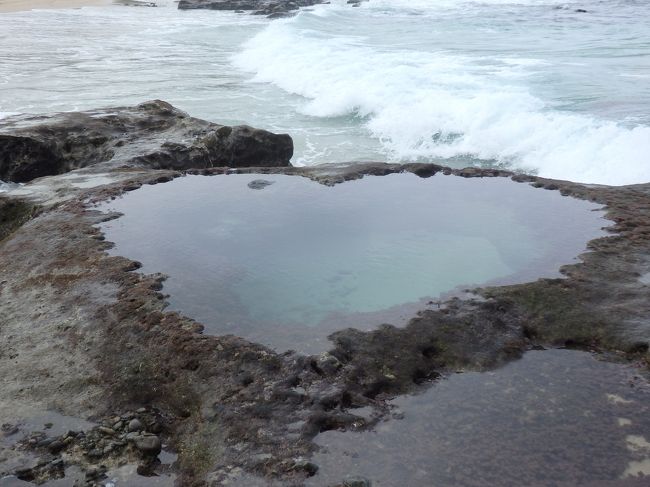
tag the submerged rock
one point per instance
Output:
(357, 482)
(259, 184)
(153, 134)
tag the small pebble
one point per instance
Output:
(149, 445)
(106, 431)
(135, 425)
(56, 446)
(45, 442)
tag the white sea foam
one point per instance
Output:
(423, 104)
(4, 187)
(435, 4)
(520, 83)
(424, 6)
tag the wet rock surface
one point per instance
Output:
(554, 417)
(270, 8)
(94, 451)
(235, 411)
(153, 134)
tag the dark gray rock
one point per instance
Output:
(95, 473)
(95, 453)
(327, 364)
(238, 5)
(45, 442)
(149, 444)
(132, 436)
(306, 466)
(270, 8)
(106, 431)
(56, 446)
(357, 482)
(153, 134)
(8, 429)
(259, 184)
(135, 425)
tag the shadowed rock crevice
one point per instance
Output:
(153, 135)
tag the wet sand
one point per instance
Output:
(22, 5)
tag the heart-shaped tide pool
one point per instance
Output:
(287, 263)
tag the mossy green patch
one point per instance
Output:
(555, 315)
(13, 214)
(199, 450)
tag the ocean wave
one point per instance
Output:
(430, 105)
(438, 4)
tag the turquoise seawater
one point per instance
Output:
(288, 264)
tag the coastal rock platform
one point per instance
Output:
(86, 335)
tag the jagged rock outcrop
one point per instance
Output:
(271, 8)
(153, 134)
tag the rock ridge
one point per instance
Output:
(270, 8)
(152, 135)
(235, 411)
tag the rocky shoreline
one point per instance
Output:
(271, 8)
(85, 335)
(151, 135)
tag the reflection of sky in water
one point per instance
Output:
(298, 253)
(554, 418)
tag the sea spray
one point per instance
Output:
(531, 85)
(424, 102)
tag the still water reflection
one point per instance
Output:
(287, 264)
(556, 418)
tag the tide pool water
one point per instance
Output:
(288, 264)
(531, 85)
(556, 418)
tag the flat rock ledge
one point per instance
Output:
(86, 336)
(152, 135)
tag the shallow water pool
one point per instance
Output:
(555, 418)
(287, 264)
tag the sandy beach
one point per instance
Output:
(21, 5)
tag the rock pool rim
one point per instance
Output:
(149, 356)
(277, 325)
(332, 174)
